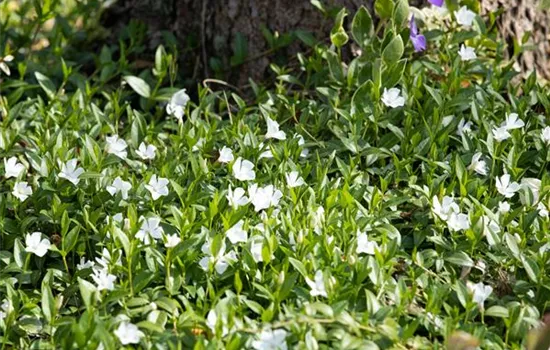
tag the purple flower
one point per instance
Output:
(418, 40)
(437, 3)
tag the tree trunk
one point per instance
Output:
(209, 32)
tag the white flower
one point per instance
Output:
(13, 168)
(158, 187)
(273, 131)
(392, 98)
(236, 198)
(243, 170)
(463, 127)
(236, 233)
(128, 333)
(70, 172)
(545, 135)
(256, 250)
(480, 292)
(271, 340)
(501, 133)
(212, 321)
(149, 228)
(103, 279)
(4, 66)
(317, 285)
(21, 190)
(467, 53)
(543, 211)
(172, 240)
(116, 146)
(317, 219)
(293, 179)
(445, 208)
(301, 142)
(531, 184)
(458, 221)
(146, 151)
(199, 144)
(364, 245)
(503, 207)
(36, 245)
(478, 165)
(513, 122)
(5, 309)
(505, 188)
(121, 186)
(226, 155)
(265, 154)
(221, 261)
(490, 229)
(176, 106)
(84, 264)
(264, 197)
(464, 16)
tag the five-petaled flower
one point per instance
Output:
(317, 285)
(236, 233)
(128, 333)
(478, 164)
(467, 53)
(158, 186)
(146, 151)
(293, 179)
(172, 240)
(271, 340)
(71, 172)
(21, 190)
(226, 155)
(392, 98)
(36, 244)
(364, 245)
(4, 66)
(243, 170)
(237, 197)
(273, 131)
(264, 197)
(116, 146)
(505, 187)
(103, 279)
(13, 168)
(121, 186)
(150, 228)
(465, 17)
(176, 106)
(480, 292)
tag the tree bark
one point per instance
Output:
(208, 30)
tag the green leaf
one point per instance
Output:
(48, 303)
(401, 13)
(138, 85)
(240, 50)
(87, 291)
(393, 51)
(497, 311)
(299, 267)
(361, 27)
(461, 259)
(334, 66)
(532, 269)
(46, 84)
(383, 8)
(338, 35)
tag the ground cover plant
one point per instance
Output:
(397, 199)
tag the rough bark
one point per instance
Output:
(210, 27)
